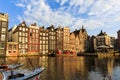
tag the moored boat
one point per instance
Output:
(21, 74)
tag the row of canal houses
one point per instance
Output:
(42, 41)
(34, 40)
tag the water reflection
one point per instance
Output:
(71, 68)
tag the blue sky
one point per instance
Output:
(95, 15)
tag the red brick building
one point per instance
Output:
(33, 39)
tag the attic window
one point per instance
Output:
(23, 24)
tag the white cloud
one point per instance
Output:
(91, 13)
(20, 5)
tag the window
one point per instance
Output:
(1, 51)
(20, 39)
(10, 47)
(46, 46)
(26, 34)
(40, 42)
(26, 40)
(43, 34)
(2, 45)
(23, 34)
(2, 37)
(43, 38)
(40, 37)
(43, 46)
(40, 33)
(20, 33)
(14, 51)
(46, 38)
(23, 29)
(40, 46)
(26, 46)
(36, 35)
(23, 40)
(3, 30)
(30, 30)
(26, 29)
(33, 30)
(9, 51)
(20, 28)
(4, 24)
(23, 24)
(43, 42)
(19, 45)
(36, 31)
(14, 47)
(46, 34)
(31, 34)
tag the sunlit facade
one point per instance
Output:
(104, 43)
(3, 33)
(83, 39)
(59, 39)
(43, 39)
(66, 39)
(72, 43)
(20, 35)
(12, 49)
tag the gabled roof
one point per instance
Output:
(80, 30)
(118, 31)
(102, 33)
(20, 25)
(13, 28)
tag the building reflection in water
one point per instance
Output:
(2, 61)
(71, 68)
(11, 60)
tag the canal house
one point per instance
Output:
(103, 43)
(20, 35)
(3, 33)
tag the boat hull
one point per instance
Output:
(27, 74)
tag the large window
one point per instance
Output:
(10, 47)
(20, 33)
(26, 40)
(23, 29)
(2, 51)
(20, 39)
(2, 45)
(14, 47)
(2, 37)
(4, 24)
(4, 30)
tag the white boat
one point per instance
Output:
(21, 74)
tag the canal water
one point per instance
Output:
(71, 67)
